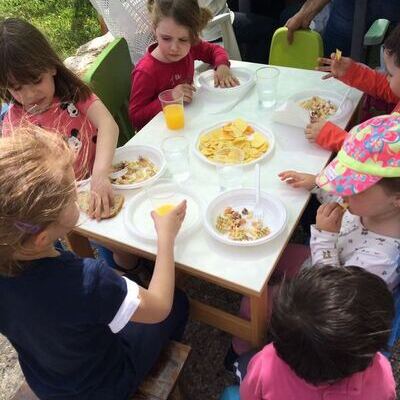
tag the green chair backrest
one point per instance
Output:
(109, 77)
(303, 53)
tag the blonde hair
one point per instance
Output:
(34, 188)
(184, 12)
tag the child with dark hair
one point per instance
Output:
(374, 83)
(328, 325)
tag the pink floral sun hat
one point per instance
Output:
(370, 152)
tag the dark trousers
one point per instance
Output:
(145, 341)
(253, 33)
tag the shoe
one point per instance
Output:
(230, 357)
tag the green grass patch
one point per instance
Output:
(66, 23)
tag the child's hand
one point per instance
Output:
(168, 226)
(223, 77)
(185, 89)
(101, 196)
(335, 68)
(313, 129)
(298, 179)
(329, 217)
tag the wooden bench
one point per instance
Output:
(160, 384)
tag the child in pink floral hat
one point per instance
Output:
(365, 176)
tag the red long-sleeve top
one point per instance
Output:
(151, 76)
(369, 81)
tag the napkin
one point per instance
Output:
(290, 113)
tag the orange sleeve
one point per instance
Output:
(331, 137)
(370, 82)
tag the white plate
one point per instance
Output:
(275, 217)
(245, 76)
(132, 153)
(335, 98)
(264, 131)
(137, 211)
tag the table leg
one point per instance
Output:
(258, 310)
(79, 245)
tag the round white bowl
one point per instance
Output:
(275, 216)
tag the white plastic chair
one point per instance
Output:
(228, 35)
(129, 19)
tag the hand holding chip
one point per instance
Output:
(336, 65)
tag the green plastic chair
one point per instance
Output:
(109, 77)
(304, 52)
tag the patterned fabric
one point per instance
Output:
(370, 152)
(358, 246)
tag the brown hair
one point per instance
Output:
(34, 188)
(390, 185)
(184, 12)
(328, 323)
(392, 45)
(25, 54)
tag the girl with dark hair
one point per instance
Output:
(327, 327)
(44, 92)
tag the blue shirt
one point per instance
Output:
(56, 315)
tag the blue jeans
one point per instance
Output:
(339, 29)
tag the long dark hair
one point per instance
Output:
(25, 54)
(328, 323)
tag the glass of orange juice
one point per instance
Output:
(172, 109)
(162, 196)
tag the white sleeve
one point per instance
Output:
(323, 247)
(127, 308)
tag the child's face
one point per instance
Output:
(394, 73)
(173, 40)
(37, 96)
(373, 202)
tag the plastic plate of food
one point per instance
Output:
(256, 142)
(244, 75)
(161, 197)
(323, 104)
(140, 165)
(229, 218)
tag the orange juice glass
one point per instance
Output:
(173, 110)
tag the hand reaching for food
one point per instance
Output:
(298, 180)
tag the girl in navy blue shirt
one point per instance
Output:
(81, 331)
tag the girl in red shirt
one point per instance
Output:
(169, 63)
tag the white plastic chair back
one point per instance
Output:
(129, 19)
(228, 35)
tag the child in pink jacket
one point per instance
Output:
(328, 325)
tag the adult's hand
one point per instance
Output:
(298, 21)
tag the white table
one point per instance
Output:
(243, 270)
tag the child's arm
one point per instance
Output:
(359, 76)
(325, 233)
(326, 134)
(107, 136)
(218, 57)
(143, 103)
(156, 301)
(298, 180)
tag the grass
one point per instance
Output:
(66, 23)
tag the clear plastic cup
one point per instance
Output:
(230, 171)
(267, 79)
(162, 196)
(173, 109)
(176, 151)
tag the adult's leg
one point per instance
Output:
(254, 33)
(145, 341)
